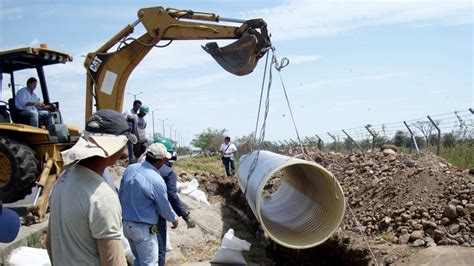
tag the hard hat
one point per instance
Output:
(144, 109)
(167, 142)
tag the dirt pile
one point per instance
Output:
(416, 199)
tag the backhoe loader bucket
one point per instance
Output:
(238, 58)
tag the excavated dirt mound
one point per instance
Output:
(412, 200)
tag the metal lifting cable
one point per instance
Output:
(278, 66)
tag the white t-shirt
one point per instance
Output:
(228, 152)
(83, 209)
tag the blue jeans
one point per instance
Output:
(228, 161)
(161, 241)
(36, 115)
(143, 244)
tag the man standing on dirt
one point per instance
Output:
(85, 224)
(132, 120)
(227, 151)
(169, 176)
(144, 199)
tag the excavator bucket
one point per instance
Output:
(238, 58)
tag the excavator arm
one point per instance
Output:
(109, 67)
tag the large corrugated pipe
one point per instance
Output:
(307, 207)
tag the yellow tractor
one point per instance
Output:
(30, 155)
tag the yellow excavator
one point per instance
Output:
(110, 66)
(108, 70)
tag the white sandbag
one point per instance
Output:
(232, 242)
(191, 190)
(168, 242)
(189, 187)
(231, 249)
(198, 196)
(227, 255)
(23, 256)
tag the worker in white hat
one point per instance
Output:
(85, 223)
(144, 199)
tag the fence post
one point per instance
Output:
(373, 136)
(335, 141)
(320, 141)
(439, 134)
(413, 139)
(352, 140)
(310, 141)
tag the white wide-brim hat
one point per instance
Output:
(94, 144)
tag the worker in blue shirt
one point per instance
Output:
(144, 199)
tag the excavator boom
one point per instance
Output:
(108, 69)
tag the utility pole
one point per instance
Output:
(135, 95)
(153, 121)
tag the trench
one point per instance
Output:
(264, 251)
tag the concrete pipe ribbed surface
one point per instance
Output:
(307, 207)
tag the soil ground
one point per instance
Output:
(403, 203)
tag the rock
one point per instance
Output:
(375, 181)
(453, 229)
(409, 204)
(445, 220)
(467, 238)
(471, 171)
(444, 242)
(417, 226)
(417, 234)
(389, 152)
(404, 232)
(450, 211)
(352, 159)
(395, 240)
(460, 210)
(460, 240)
(431, 225)
(426, 215)
(410, 163)
(403, 239)
(469, 208)
(392, 158)
(389, 147)
(454, 202)
(405, 216)
(419, 243)
(438, 235)
(387, 220)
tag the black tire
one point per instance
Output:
(19, 170)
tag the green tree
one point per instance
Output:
(448, 140)
(401, 139)
(209, 140)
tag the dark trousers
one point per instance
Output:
(161, 241)
(228, 161)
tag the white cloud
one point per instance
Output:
(13, 13)
(299, 59)
(308, 18)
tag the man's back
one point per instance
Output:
(143, 195)
(83, 209)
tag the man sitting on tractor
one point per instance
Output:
(29, 105)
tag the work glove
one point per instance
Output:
(189, 220)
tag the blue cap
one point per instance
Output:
(9, 224)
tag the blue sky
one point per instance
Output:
(351, 62)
